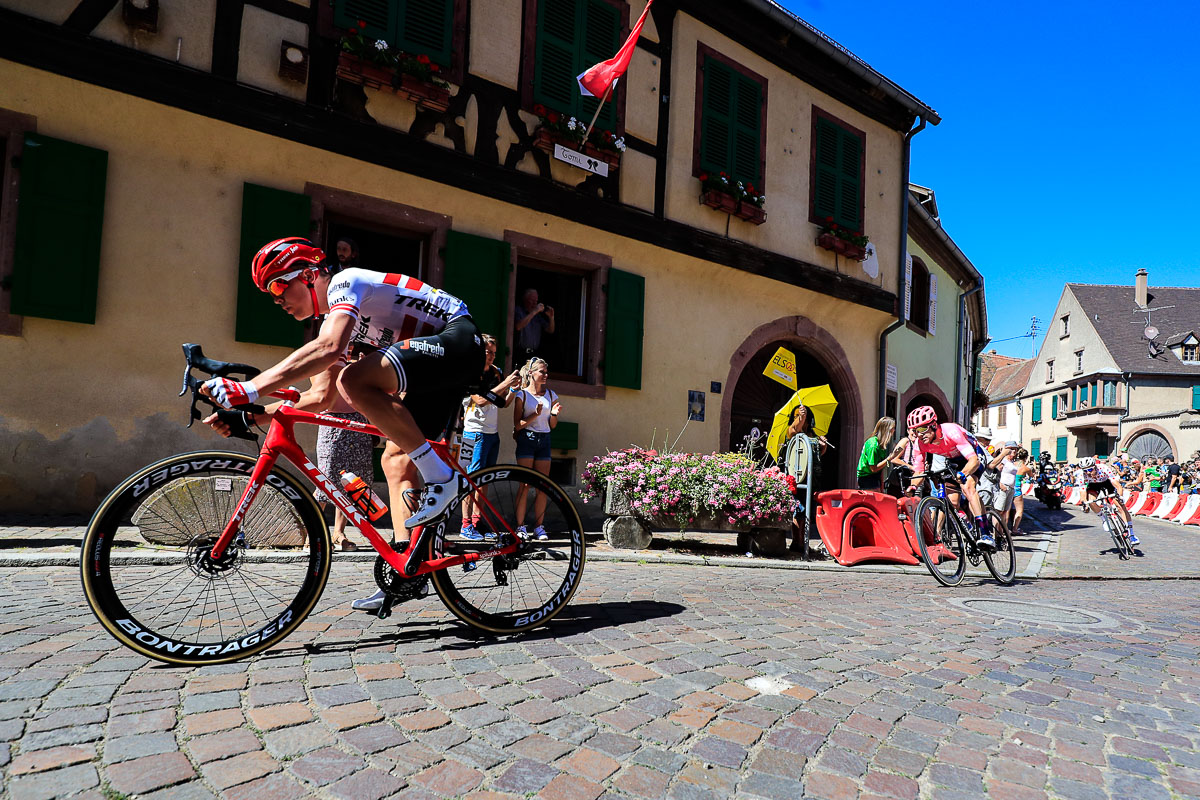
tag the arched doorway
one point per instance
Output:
(922, 392)
(1149, 443)
(756, 398)
(820, 359)
(924, 400)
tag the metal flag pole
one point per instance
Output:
(596, 116)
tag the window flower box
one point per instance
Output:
(751, 213)
(354, 69)
(721, 201)
(842, 247)
(544, 139)
(736, 198)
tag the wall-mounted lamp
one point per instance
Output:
(140, 14)
(293, 62)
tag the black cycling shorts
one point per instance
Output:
(1100, 487)
(435, 372)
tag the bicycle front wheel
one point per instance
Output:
(508, 594)
(150, 579)
(1120, 536)
(941, 541)
(1002, 562)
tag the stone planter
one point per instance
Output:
(841, 246)
(626, 529)
(426, 95)
(545, 140)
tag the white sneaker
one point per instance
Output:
(540, 534)
(522, 532)
(372, 603)
(435, 499)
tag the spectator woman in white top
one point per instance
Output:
(481, 432)
(535, 413)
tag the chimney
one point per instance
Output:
(1140, 289)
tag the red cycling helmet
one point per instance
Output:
(921, 416)
(284, 256)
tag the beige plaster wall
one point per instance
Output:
(789, 125)
(99, 400)
(55, 11)
(496, 40)
(258, 55)
(184, 27)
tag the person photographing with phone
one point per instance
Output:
(532, 320)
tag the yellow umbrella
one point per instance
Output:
(819, 400)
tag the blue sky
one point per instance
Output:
(1068, 148)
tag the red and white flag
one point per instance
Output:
(598, 80)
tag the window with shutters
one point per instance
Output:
(918, 315)
(1035, 449)
(13, 127)
(1036, 414)
(730, 136)
(1060, 449)
(436, 28)
(1050, 371)
(1062, 406)
(1110, 394)
(1078, 361)
(562, 39)
(838, 166)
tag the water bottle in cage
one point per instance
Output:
(363, 496)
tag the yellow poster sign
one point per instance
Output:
(782, 368)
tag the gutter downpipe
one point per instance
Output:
(900, 262)
(962, 310)
(1121, 419)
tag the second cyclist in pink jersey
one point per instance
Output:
(963, 454)
(425, 344)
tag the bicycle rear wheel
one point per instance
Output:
(148, 576)
(507, 594)
(941, 541)
(1002, 562)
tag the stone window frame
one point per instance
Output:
(13, 127)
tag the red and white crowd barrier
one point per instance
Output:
(1190, 514)
(1170, 505)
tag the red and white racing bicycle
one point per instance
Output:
(184, 562)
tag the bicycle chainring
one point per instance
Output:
(395, 584)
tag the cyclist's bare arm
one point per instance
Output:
(312, 358)
(321, 396)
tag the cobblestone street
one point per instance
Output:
(660, 680)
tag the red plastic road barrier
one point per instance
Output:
(1172, 504)
(1132, 501)
(1190, 508)
(1152, 501)
(862, 526)
(1194, 519)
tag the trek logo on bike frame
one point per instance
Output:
(348, 508)
(159, 643)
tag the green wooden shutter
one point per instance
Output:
(1094, 385)
(381, 17)
(1102, 444)
(554, 81)
(1061, 449)
(1074, 397)
(60, 219)
(1196, 398)
(1037, 410)
(600, 42)
(425, 26)
(624, 329)
(267, 214)
(747, 137)
(477, 271)
(1035, 449)
(1054, 407)
(716, 120)
(564, 436)
(838, 162)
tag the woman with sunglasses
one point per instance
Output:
(963, 454)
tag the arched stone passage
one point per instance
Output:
(923, 389)
(804, 336)
(1146, 427)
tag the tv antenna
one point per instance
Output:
(1150, 332)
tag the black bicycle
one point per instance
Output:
(948, 538)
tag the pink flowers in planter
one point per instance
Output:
(724, 487)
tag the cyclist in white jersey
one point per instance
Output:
(1100, 477)
(427, 347)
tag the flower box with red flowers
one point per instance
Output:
(736, 198)
(557, 128)
(842, 240)
(376, 65)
